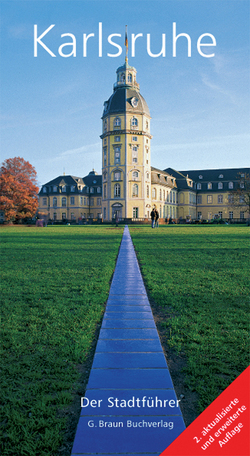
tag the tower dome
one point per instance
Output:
(126, 96)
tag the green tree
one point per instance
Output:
(18, 189)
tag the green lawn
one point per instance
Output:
(55, 282)
(199, 278)
(54, 285)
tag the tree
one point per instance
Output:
(240, 197)
(18, 189)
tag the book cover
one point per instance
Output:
(61, 61)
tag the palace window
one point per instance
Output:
(117, 154)
(242, 215)
(72, 200)
(55, 202)
(117, 138)
(105, 155)
(44, 201)
(117, 122)
(105, 176)
(105, 191)
(98, 189)
(129, 77)
(135, 212)
(134, 154)
(117, 175)
(198, 186)
(160, 194)
(147, 175)
(72, 216)
(146, 124)
(241, 184)
(230, 198)
(134, 122)
(199, 215)
(231, 215)
(209, 199)
(134, 138)
(105, 125)
(99, 201)
(200, 176)
(147, 191)
(209, 186)
(135, 175)
(164, 195)
(230, 185)
(122, 77)
(72, 188)
(84, 201)
(91, 190)
(221, 176)
(64, 201)
(63, 188)
(117, 191)
(54, 188)
(117, 157)
(220, 214)
(220, 199)
(91, 201)
(153, 193)
(44, 190)
(135, 190)
(54, 216)
(199, 199)
(64, 216)
(220, 185)
(81, 201)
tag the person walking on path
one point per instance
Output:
(156, 218)
(152, 215)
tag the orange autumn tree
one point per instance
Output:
(18, 189)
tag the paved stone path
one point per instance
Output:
(130, 406)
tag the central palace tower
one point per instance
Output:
(126, 139)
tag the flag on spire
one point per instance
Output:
(126, 44)
(126, 39)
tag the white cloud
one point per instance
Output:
(88, 150)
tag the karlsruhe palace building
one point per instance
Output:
(129, 187)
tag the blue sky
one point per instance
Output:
(51, 107)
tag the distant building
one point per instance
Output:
(129, 187)
(72, 198)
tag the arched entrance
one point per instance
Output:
(117, 210)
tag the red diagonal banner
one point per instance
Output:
(222, 429)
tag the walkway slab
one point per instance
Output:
(130, 406)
